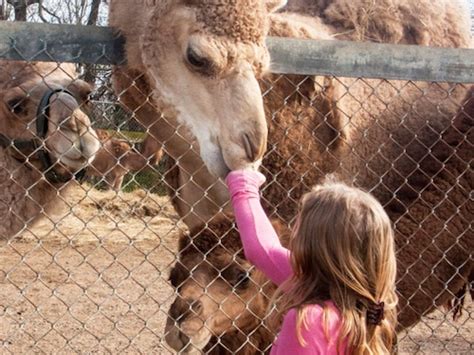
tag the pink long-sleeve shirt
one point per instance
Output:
(263, 249)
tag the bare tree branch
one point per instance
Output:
(42, 8)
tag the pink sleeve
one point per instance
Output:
(261, 244)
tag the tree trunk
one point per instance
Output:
(3, 13)
(20, 7)
(89, 73)
(20, 11)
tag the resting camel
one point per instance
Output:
(45, 139)
(376, 134)
(116, 158)
(220, 289)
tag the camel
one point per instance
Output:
(197, 62)
(220, 296)
(45, 139)
(379, 135)
(116, 158)
(209, 311)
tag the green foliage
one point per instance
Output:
(150, 179)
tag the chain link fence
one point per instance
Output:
(110, 245)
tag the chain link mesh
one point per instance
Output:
(109, 265)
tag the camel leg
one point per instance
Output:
(151, 150)
(110, 181)
(117, 184)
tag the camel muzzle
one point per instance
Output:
(251, 149)
(36, 145)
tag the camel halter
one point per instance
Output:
(37, 144)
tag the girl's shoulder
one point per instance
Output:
(315, 311)
(316, 315)
(321, 325)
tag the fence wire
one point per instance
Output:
(139, 256)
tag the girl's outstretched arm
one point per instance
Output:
(261, 244)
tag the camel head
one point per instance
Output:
(112, 151)
(217, 291)
(111, 162)
(204, 59)
(67, 137)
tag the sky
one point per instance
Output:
(61, 5)
(471, 2)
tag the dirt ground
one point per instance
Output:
(96, 283)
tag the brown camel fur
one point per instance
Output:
(424, 22)
(390, 138)
(458, 150)
(219, 295)
(26, 195)
(116, 158)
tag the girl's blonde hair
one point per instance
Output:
(343, 250)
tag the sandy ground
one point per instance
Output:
(96, 283)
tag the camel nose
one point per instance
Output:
(196, 307)
(254, 146)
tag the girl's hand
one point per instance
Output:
(244, 180)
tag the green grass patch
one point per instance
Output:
(130, 136)
(150, 179)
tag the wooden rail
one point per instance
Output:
(102, 45)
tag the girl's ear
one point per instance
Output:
(274, 5)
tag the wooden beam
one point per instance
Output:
(371, 60)
(102, 45)
(60, 43)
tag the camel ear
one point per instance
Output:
(81, 90)
(274, 5)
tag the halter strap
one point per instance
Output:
(42, 114)
(20, 144)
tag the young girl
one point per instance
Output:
(337, 285)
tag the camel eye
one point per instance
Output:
(17, 105)
(198, 63)
(236, 277)
(242, 279)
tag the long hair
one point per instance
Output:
(342, 250)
